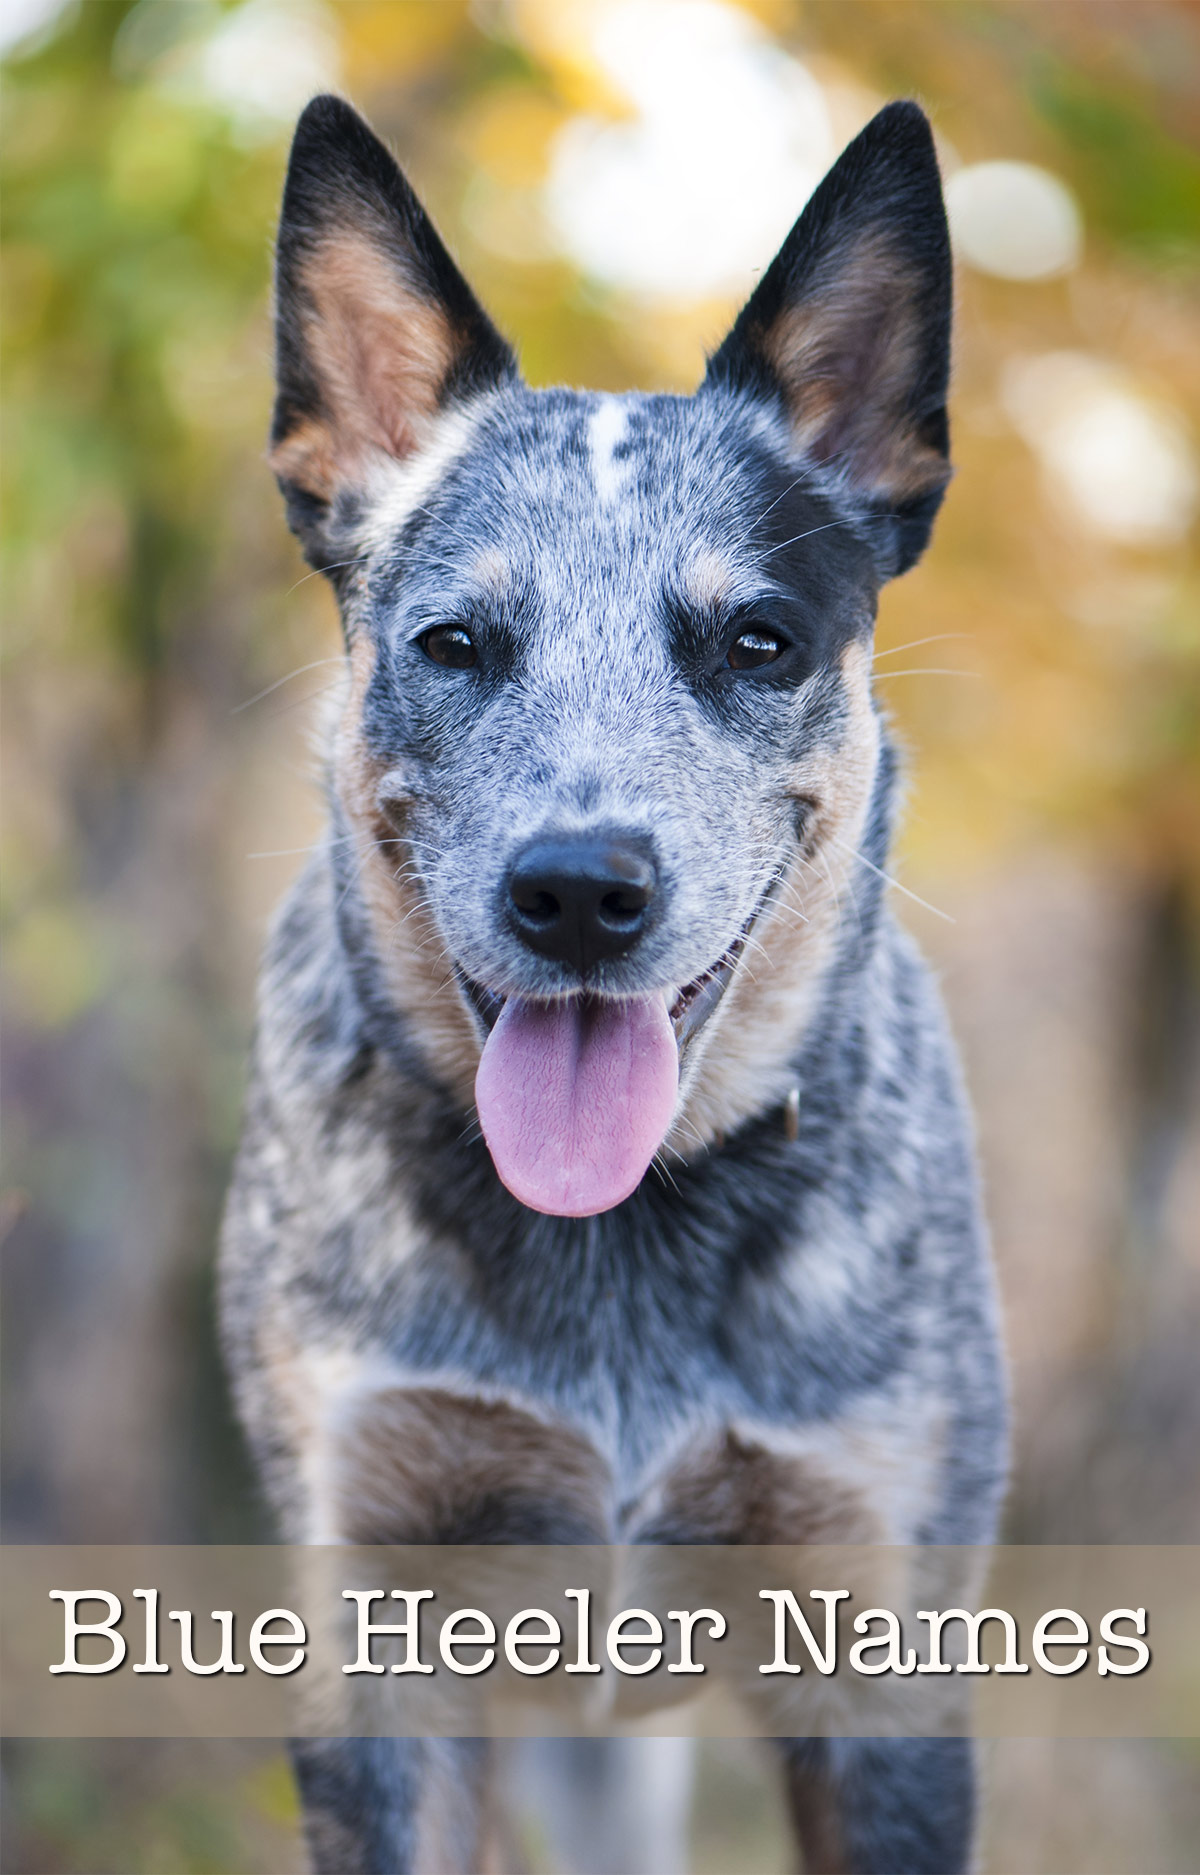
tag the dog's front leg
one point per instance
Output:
(882, 1806)
(393, 1806)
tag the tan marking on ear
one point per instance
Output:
(846, 357)
(307, 457)
(422, 1465)
(381, 353)
(417, 969)
(740, 1062)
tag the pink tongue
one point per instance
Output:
(575, 1098)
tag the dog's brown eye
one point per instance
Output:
(753, 648)
(450, 646)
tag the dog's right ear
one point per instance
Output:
(848, 332)
(376, 330)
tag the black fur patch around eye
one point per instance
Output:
(701, 641)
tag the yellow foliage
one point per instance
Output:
(508, 131)
(387, 41)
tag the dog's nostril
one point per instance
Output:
(623, 905)
(542, 907)
(581, 899)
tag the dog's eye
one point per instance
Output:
(754, 647)
(451, 646)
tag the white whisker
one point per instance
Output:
(316, 665)
(888, 880)
(913, 644)
(334, 567)
(771, 506)
(659, 1165)
(288, 852)
(928, 671)
(779, 546)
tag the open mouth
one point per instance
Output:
(576, 1095)
(691, 1006)
(698, 999)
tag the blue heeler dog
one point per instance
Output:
(606, 1173)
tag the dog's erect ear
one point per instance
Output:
(376, 330)
(850, 329)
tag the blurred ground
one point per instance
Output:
(164, 653)
(1052, 1807)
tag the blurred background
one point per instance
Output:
(613, 176)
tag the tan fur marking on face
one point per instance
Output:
(707, 578)
(855, 412)
(381, 354)
(491, 571)
(421, 1465)
(417, 968)
(741, 1061)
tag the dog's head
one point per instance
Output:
(608, 749)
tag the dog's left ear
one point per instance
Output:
(849, 329)
(376, 331)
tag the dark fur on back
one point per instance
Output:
(787, 1332)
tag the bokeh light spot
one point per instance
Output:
(725, 139)
(1123, 465)
(1014, 219)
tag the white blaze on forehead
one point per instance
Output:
(608, 427)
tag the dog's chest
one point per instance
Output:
(405, 1458)
(425, 1465)
(609, 1400)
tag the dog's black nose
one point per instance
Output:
(581, 898)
